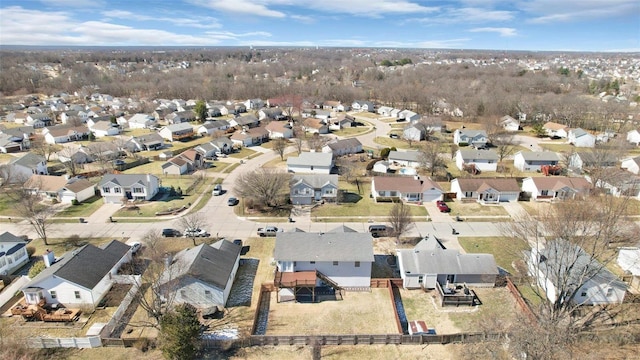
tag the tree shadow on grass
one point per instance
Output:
(351, 198)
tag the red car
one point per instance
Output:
(442, 206)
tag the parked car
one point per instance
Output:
(135, 247)
(269, 231)
(378, 230)
(217, 190)
(233, 201)
(442, 206)
(170, 233)
(394, 136)
(238, 242)
(196, 232)
(221, 154)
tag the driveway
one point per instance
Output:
(529, 142)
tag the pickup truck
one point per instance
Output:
(269, 231)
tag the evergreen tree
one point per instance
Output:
(180, 333)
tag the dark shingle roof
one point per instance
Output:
(296, 246)
(211, 264)
(7, 237)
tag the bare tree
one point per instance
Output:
(346, 167)
(299, 136)
(279, 146)
(505, 146)
(264, 186)
(41, 147)
(10, 176)
(316, 142)
(430, 156)
(400, 219)
(30, 207)
(72, 163)
(192, 223)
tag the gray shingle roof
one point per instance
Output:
(212, 264)
(126, 180)
(86, 266)
(478, 154)
(29, 160)
(9, 237)
(539, 156)
(310, 159)
(404, 155)
(344, 144)
(296, 246)
(316, 181)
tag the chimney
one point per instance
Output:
(48, 258)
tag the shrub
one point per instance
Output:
(74, 240)
(31, 250)
(36, 268)
(75, 202)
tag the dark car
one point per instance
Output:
(232, 201)
(170, 233)
(394, 136)
(442, 206)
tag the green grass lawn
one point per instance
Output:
(243, 153)
(86, 208)
(504, 249)
(7, 207)
(475, 209)
(153, 167)
(60, 246)
(352, 131)
(230, 168)
(560, 147)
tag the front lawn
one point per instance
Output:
(60, 246)
(83, 209)
(352, 131)
(475, 209)
(243, 153)
(505, 250)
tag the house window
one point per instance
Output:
(76, 294)
(420, 279)
(311, 167)
(357, 263)
(583, 294)
(312, 262)
(207, 294)
(117, 190)
(335, 263)
(138, 190)
(295, 263)
(106, 190)
(610, 292)
(544, 192)
(468, 194)
(53, 294)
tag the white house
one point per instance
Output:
(486, 190)
(629, 262)
(64, 133)
(116, 187)
(384, 110)
(341, 260)
(141, 121)
(104, 128)
(60, 188)
(408, 115)
(556, 130)
(534, 160)
(201, 276)
(80, 278)
(555, 187)
(580, 138)
(620, 183)
(429, 263)
(279, 129)
(405, 158)
(475, 138)
(343, 147)
(152, 141)
(360, 105)
(13, 253)
(409, 189)
(177, 131)
(310, 163)
(581, 160)
(307, 189)
(633, 137)
(27, 165)
(584, 280)
(632, 165)
(509, 124)
(483, 160)
(210, 127)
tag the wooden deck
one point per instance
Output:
(295, 279)
(41, 312)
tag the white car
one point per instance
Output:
(195, 233)
(217, 190)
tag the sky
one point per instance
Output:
(537, 25)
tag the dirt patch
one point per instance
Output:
(115, 295)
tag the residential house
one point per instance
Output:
(23, 167)
(307, 189)
(316, 126)
(65, 133)
(584, 160)
(632, 165)
(408, 115)
(254, 104)
(160, 113)
(179, 117)
(381, 166)
(565, 272)
(556, 187)
(341, 260)
(619, 182)
(272, 113)
(244, 122)
(414, 132)
(310, 163)
(175, 132)
(21, 135)
(186, 162)
(60, 188)
(38, 120)
(341, 121)
(201, 276)
(556, 130)
(212, 126)
(629, 262)
(360, 105)
(534, 160)
(104, 128)
(408, 189)
(279, 129)
(483, 160)
(150, 142)
(486, 190)
(475, 138)
(429, 262)
(141, 121)
(633, 137)
(80, 278)
(384, 110)
(13, 253)
(580, 138)
(116, 187)
(10, 144)
(343, 147)
(250, 137)
(405, 158)
(507, 123)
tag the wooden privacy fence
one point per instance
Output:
(81, 342)
(359, 339)
(513, 289)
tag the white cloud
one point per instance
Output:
(504, 32)
(203, 22)
(468, 15)
(303, 19)
(248, 7)
(368, 8)
(546, 11)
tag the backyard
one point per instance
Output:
(505, 250)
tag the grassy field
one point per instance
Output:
(85, 209)
(152, 167)
(560, 147)
(504, 249)
(243, 153)
(475, 209)
(352, 131)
